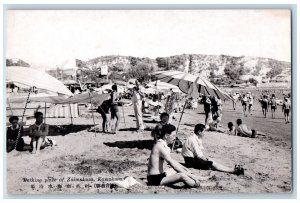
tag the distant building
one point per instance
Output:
(280, 80)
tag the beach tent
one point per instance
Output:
(33, 78)
(62, 109)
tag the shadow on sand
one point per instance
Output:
(66, 129)
(140, 144)
(151, 121)
(134, 129)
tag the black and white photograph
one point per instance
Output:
(182, 101)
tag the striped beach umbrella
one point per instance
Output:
(187, 81)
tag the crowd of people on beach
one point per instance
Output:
(164, 133)
(268, 103)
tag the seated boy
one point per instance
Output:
(243, 131)
(194, 157)
(164, 119)
(213, 125)
(160, 153)
(38, 132)
(12, 134)
(231, 129)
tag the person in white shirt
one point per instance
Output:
(235, 98)
(137, 106)
(195, 158)
(245, 102)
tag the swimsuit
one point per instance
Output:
(155, 179)
(193, 162)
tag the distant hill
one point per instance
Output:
(218, 68)
(16, 62)
(243, 67)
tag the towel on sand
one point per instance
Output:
(129, 182)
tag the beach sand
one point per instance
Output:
(96, 160)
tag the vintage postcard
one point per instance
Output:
(148, 101)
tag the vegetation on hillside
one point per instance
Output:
(220, 69)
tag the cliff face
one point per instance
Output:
(198, 64)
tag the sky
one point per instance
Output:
(48, 38)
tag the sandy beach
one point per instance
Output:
(83, 163)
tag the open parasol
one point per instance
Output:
(33, 78)
(186, 81)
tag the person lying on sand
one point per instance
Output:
(243, 131)
(160, 153)
(213, 124)
(38, 132)
(194, 157)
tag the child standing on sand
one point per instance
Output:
(273, 105)
(245, 104)
(264, 105)
(286, 109)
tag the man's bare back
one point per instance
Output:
(156, 162)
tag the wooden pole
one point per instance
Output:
(179, 123)
(19, 132)
(124, 114)
(71, 114)
(45, 112)
(93, 114)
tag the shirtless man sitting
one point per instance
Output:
(159, 154)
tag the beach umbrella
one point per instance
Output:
(185, 81)
(33, 78)
(190, 84)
